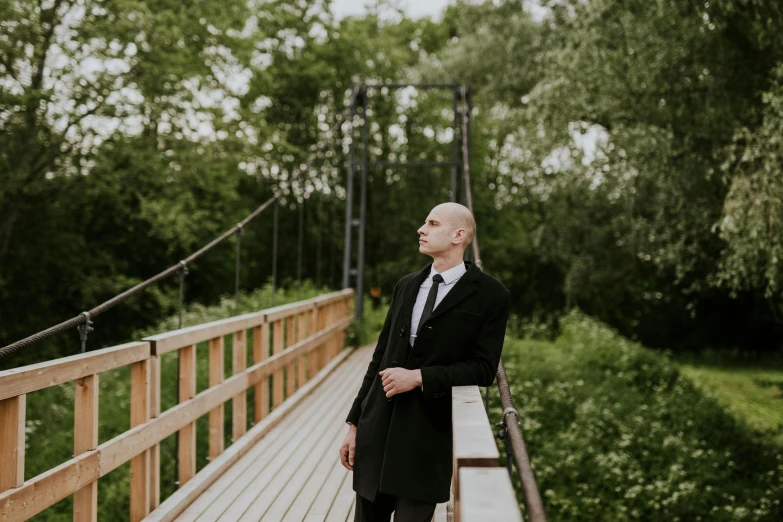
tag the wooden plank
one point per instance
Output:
(259, 494)
(154, 495)
(323, 501)
(187, 435)
(140, 464)
(239, 402)
(26, 379)
(175, 339)
(260, 354)
(319, 461)
(287, 310)
(326, 299)
(316, 326)
(180, 500)
(317, 480)
(487, 495)
(278, 496)
(273, 440)
(85, 438)
(168, 341)
(235, 497)
(290, 340)
(328, 314)
(277, 378)
(216, 370)
(46, 489)
(12, 419)
(42, 491)
(301, 333)
(474, 442)
(342, 502)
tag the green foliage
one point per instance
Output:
(752, 213)
(615, 432)
(629, 159)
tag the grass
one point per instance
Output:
(749, 389)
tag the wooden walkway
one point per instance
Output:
(294, 473)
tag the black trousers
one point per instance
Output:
(405, 509)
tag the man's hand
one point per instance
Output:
(399, 380)
(348, 447)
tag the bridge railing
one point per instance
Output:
(483, 491)
(305, 336)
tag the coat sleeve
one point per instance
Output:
(375, 363)
(481, 367)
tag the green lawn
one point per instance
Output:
(753, 391)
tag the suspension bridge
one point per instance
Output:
(280, 462)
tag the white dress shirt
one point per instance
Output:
(450, 278)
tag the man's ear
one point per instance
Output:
(461, 233)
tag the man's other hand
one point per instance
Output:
(399, 380)
(348, 447)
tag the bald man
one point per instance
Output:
(445, 327)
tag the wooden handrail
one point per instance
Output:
(314, 334)
(34, 377)
(483, 492)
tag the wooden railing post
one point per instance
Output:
(330, 344)
(216, 369)
(290, 340)
(321, 323)
(12, 418)
(277, 347)
(239, 402)
(154, 495)
(85, 438)
(140, 464)
(301, 333)
(187, 435)
(261, 353)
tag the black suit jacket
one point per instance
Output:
(404, 445)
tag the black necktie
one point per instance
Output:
(430, 303)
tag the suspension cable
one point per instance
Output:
(85, 317)
(532, 497)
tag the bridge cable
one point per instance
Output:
(83, 321)
(532, 497)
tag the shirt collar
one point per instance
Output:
(450, 275)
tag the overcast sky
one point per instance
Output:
(413, 8)
(417, 8)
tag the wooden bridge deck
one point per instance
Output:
(294, 473)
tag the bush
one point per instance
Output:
(615, 433)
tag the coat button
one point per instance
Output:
(402, 332)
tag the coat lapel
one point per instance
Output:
(463, 288)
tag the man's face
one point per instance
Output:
(437, 233)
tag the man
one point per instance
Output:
(445, 327)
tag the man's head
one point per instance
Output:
(448, 229)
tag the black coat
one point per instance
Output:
(404, 444)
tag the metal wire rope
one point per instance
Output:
(83, 320)
(532, 497)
